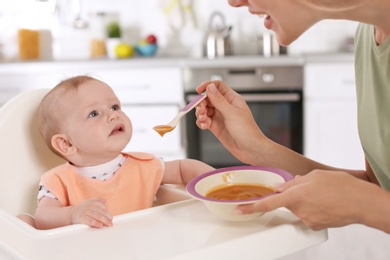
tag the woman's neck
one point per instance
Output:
(374, 12)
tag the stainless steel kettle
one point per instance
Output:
(217, 41)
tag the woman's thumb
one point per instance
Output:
(215, 97)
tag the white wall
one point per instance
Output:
(140, 18)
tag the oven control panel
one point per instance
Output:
(247, 79)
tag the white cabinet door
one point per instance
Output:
(331, 135)
(15, 83)
(140, 86)
(330, 131)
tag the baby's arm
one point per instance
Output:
(182, 171)
(51, 214)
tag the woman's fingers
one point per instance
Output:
(272, 202)
(265, 205)
(288, 184)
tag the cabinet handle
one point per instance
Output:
(242, 71)
(269, 97)
(272, 97)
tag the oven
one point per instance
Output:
(274, 95)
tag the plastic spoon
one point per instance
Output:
(163, 129)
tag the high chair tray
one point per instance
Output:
(180, 230)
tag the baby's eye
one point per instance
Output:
(93, 114)
(115, 107)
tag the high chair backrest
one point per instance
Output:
(24, 155)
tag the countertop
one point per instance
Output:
(181, 62)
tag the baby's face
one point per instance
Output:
(95, 123)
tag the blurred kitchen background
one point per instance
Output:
(67, 27)
(319, 64)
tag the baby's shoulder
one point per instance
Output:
(57, 171)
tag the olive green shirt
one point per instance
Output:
(372, 67)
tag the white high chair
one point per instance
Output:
(24, 154)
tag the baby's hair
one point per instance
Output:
(49, 111)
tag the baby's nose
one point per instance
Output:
(112, 116)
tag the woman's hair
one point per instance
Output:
(52, 107)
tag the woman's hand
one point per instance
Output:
(321, 199)
(226, 114)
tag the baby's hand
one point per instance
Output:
(93, 213)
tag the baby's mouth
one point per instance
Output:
(118, 129)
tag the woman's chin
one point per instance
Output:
(285, 40)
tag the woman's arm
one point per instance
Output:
(226, 114)
(322, 196)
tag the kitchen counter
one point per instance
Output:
(228, 61)
(235, 61)
(244, 61)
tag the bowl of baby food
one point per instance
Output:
(222, 190)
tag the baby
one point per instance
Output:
(81, 120)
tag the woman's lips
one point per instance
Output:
(118, 129)
(267, 19)
(268, 22)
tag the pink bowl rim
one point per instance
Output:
(191, 184)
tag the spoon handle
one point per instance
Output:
(194, 102)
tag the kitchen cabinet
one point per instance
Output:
(330, 115)
(16, 78)
(18, 81)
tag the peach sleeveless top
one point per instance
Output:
(133, 187)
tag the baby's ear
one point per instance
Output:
(63, 145)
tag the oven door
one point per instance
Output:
(278, 114)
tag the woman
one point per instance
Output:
(322, 196)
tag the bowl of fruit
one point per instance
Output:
(147, 46)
